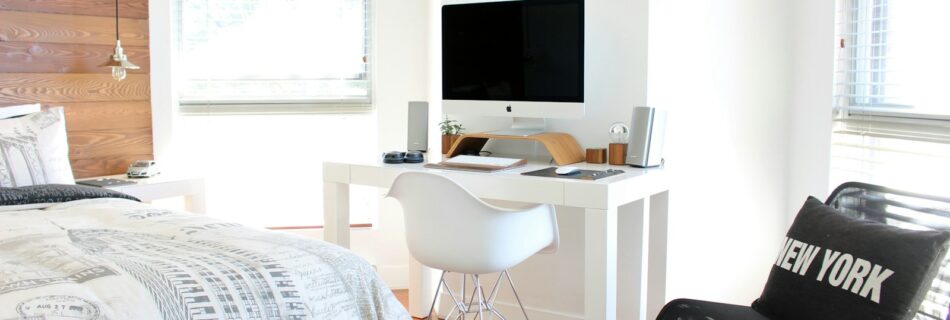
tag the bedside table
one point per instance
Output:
(161, 187)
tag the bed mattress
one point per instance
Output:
(120, 259)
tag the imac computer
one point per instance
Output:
(519, 59)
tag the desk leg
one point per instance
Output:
(195, 203)
(422, 284)
(659, 226)
(336, 213)
(600, 267)
(632, 261)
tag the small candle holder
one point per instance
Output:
(619, 135)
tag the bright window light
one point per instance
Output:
(267, 171)
(892, 111)
(265, 51)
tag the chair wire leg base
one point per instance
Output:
(478, 299)
(458, 304)
(436, 296)
(512, 284)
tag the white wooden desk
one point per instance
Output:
(617, 228)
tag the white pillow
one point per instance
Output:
(33, 150)
(16, 111)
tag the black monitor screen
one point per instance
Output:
(531, 50)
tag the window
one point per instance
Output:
(892, 57)
(892, 113)
(273, 52)
(891, 108)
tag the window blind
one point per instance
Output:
(240, 54)
(891, 118)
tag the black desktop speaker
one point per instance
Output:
(418, 137)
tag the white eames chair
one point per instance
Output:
(450, 229)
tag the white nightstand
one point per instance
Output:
(162, 187)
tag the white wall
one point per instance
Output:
(722, 69)
(401, 75)
(810, 112)
(164, 97)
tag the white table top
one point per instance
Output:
(629, 172)
(510, 184)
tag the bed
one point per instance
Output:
(77, 252)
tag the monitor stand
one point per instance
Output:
(562, 147)
(522, 127)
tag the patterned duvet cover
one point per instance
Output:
(120, 259)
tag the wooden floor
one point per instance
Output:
(403, 296)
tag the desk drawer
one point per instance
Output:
(512, 188)
(491, 186)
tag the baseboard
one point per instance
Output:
(395, 276)
(512, 310)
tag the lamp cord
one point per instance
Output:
(116, 20)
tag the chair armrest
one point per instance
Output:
(688, 309)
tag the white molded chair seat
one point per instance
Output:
(449, 228)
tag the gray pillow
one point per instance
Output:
(55, 193)
(832, 266)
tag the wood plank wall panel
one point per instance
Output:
(136, 9)
(50, 51)
(32, 57)
(105, 165)
(89, 144)
(120, 115)
(16, 26)
(72, 87)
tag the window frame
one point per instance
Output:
(861, 51)
(303, 105)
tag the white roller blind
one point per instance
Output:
(240, 52)
(892, 74)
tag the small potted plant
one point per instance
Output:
(451, 129)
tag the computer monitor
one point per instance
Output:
(521, 59)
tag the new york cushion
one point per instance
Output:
(34, 150)
(832, 266)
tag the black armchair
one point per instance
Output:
(866, 201)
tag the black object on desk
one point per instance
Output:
(582, 175)
(105, 182)
(403, 157)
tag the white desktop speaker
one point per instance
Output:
(418, 137)
(647, 127)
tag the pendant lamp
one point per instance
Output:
(119, 62)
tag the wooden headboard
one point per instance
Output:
(49, 53)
